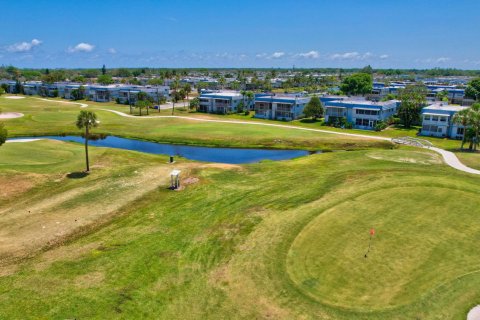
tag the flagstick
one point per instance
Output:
(369, 244)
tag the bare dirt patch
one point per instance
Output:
(416, 157)
(227, 166)
(15, 185)
(48, 220)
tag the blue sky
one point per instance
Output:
(247, 33)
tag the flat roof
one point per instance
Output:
(440, 107)
(221, 94)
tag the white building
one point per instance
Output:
(219, 101)
(437, 121)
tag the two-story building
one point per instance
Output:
(362, 114)
(69, 88)
(100, 93)
(219, 101)
(11, 86)
(437, 121)
(280, 106)
(31, 88)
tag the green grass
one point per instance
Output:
(280, 240)
(470, 159)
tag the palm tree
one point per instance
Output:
(461, 118)
(474, 119)
(188, 89)
(143, 101)
(243, 93)
(175, 85)
(470, 120)
(87, 120)
(250, 96)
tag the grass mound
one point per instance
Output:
(425, 236)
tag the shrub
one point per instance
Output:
(381, 125)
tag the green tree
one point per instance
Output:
(104, 70)
(175, 98)
(54, 76)
(250, 96)
(412, 99)
(143, 101)
(105, 79)
(79, 79)
(3, 133)
(314, 108)
(187, 89)
(2, 91)
(442, 95)
(222, 81)
(156, 81)
(474, 123)
(357, 83)
(461, 118)
(473, 89)
(86, 120)
(240, 106)
(194, 103)
(367, 69)
(78, 94)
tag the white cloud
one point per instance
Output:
(112, 50)
(261, 55)
(384, 56)
(351, 56)
(277, 55)
(311, 54)
(345, 56)
(24, 46)
(81, 47)
(442, 60)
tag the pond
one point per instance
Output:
(208, 154)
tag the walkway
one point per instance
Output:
(449, 157)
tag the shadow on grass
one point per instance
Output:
(77, 175)
(310, 120)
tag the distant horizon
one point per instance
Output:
(411, 34)
(233, 68)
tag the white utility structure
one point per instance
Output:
(175, 179)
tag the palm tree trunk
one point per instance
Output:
(147, 111)
(86, 148)
(140, 111)
(173, 108)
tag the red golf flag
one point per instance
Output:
(372, 232)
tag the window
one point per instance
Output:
(460, 131)
(366, 112)
(443, 119)
(427, 118)
(434, 118)
(364, 122)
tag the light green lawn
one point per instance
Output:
(278, 240)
